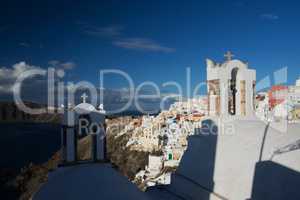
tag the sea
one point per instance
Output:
(23, 143)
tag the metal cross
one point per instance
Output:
(84, 97)
(228, 55)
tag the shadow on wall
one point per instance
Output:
(194, 177)
(273, 181)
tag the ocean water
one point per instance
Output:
(22, 143)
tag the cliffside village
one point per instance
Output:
(167, 132)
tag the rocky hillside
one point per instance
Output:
(9, 112)
(127, 161)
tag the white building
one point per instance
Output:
(294, 93)
(231, 87)
(92, 120)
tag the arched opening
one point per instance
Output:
(83, 139)
(232, 92)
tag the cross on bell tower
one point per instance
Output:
(84, 97)
(228, 55)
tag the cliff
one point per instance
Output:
(9, 112)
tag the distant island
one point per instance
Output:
(9, 112)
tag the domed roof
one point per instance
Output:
(84, 108)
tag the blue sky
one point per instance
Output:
(150, 40)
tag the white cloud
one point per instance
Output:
(269, 16)
(114, 33)
(24, 44)
(142, 44)
(109, 31)
(53, 62)
(68, 65)
(8, 76)
(62, 65)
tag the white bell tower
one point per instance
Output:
(95, 124)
